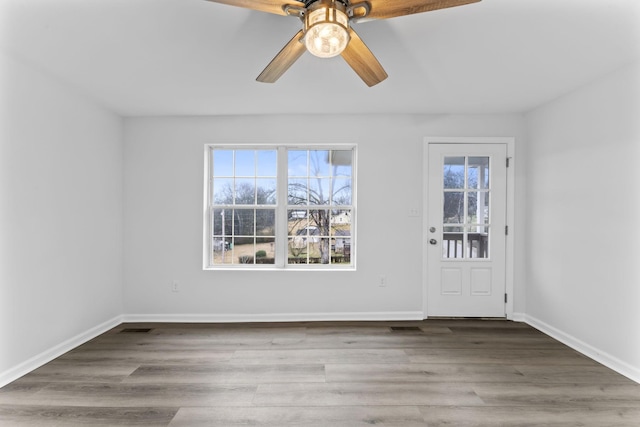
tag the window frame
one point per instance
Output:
(281, 208)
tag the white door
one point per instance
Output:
(466, 227)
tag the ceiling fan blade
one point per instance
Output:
(383, 9)
(284, 59)
(360, 58)
(269, 6)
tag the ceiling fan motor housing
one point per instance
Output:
(326, 28)
(308, 3)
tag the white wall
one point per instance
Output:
(163, 218)
(60, 217)
(582, 237)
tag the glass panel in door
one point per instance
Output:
(466, 200)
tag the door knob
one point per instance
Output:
(433, 241)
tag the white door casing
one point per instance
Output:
(467, 268)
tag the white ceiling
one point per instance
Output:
(193, 57)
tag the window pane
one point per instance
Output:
(319, 232)
(265, 251)
(324, 251)
(478, 242)
(221, 239)
(265, 222)
(221, 252)
(296, 217)
(452, 238)
(340, 218)
(453, 207)
(245, 193)
(478, 207)
(319, 163)
(243, 250)
(243, 222)
(267, 163)
(342, 252)
(342, 161)
(245, 163)
(222, 162)
(266, 191)
(320, 219)
(341, 237)
(341, 192)
(222, 225)
(298, 231)
(298, 220)
(298, 250)
(478, 173)
(453, 172)
(319, 191)
(297, 163)
(223, 191)
(298, 192)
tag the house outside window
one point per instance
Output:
(279, 207)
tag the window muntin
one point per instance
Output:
(277, 207)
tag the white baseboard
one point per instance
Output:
(518, 317)
(612, 362)
(46, 356)
(279, 317)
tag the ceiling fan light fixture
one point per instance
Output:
(326, 24)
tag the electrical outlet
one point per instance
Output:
(175, 286)
(383, 281)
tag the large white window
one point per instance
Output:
(279, 207)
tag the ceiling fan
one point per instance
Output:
(327, 30)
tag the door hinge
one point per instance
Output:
(505, 298)
(508, 161)
(506, 230)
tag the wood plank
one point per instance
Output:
(312, 416)
(146, 356)
(421, 373)
(182, 343)
(72, 416)
(528, 416)
(57, 371)
(227, 373)
(321, 355)
(572, 374)
(142, 395)
(549, 357)
(356, 394)
(577, 395)
(20, 391)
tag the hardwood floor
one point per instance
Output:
(422, 373)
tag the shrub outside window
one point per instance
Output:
(279, 207)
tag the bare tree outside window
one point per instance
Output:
(319, 205)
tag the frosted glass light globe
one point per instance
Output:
(326, 32)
